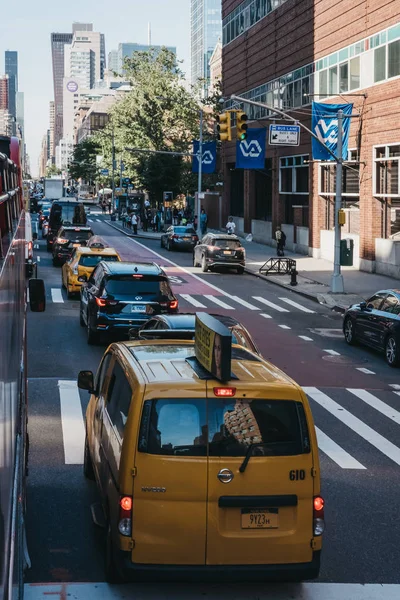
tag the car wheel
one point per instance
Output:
(348, 330)
(69, 293)
(204, 266)
(391, 351)
(112, 575)
(168, 246)
(240, 270)
(92, 336)
(87, 461)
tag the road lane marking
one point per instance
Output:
(336, 452)
(366, 371)
(265, 316)
(284, 326)
(305, 338)
(218, 301)
(98, 220)
(72, 422)
(296, 305)
(244, 303)
(370, 435)
(56, 295)
(36, 246)
(90, 220)
(38, 258)
(192, 300)
(270, 304)
(332, 352)
(374, 402)
(395, 386)
(398, 393)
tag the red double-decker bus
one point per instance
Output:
(16, 262)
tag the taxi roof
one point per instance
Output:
(90, 250)
(163, 361)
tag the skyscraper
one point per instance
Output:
(11, 64)
(126, 50)
(52, 124)
(58, 42)
(4, 92)
(113, 61)
(85, 58)
(206, 29)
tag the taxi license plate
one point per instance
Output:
(75, 245)
(138, 308)
(260, 518)
(186, 239)
(227, 252)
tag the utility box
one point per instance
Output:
(346, 252)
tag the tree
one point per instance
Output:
(52, 170)
(83, 164)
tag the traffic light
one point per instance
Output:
(241, 125)
(224, 127)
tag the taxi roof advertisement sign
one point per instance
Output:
(213, 344)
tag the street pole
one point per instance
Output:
(113, 172)
(337, 285)
(199, 184)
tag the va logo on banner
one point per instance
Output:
(325, 127)
(250, 153)
(209, 158)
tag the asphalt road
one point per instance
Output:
(352, 395)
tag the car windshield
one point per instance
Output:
(74, 234)
(91, 260)
(227, 427)
(231, 244)
(73, 213)
(183, 230)
(146, 287)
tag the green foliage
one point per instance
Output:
(83, 162)
(52, 170)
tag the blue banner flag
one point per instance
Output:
(209, 161)
(250, 153)
(325, 127)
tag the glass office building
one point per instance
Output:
(206, 29)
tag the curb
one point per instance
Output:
(335, 307)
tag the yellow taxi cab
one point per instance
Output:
(206, 459)
(82, 263)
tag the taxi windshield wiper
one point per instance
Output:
(249, 454)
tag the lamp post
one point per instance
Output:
(200, 174)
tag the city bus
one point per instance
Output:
(15, 251)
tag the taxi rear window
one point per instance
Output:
(223, 427)
(91, 260)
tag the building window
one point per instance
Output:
(380, 64)
(387, 172)
(350, 182)
(394, 59)
(293, 175)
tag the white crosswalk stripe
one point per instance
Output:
(365, 431)
(374, 402)
(192, 300)
(90, 220)
(216, 300)
(270, 304)
(305, 338)
(56, 295)
(332, 352)
(244, 303)
(336, 453)
(265, 316)
(297, 305)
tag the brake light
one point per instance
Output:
(125, 515)
(101, 302)
(173, 304)
(137, 276)
(30, 246)
(224, 392)
(61, 240)
(319, 515)
(175, 236)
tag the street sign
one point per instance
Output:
(104, 172)
(284, 135)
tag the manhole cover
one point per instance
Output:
(344, 360)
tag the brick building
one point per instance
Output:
(3, 92)
(287, 53)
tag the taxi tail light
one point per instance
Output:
(61, 240)
(224, 392)
(318, 515)
(173, 304)
(125, 515)
(175, 236)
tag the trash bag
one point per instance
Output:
(249, 238)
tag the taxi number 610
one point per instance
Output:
(296, 475)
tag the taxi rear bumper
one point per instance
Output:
(214, 573)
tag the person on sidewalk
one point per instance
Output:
(280, 238)
(203, 222)
(134, 221)
(230, 226)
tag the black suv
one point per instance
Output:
(219, 250)
(121, 296)
(64, 212)
(66, 240)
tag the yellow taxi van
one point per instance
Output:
(83, 262)
(206, 459)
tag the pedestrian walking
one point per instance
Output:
(134, 221)
(109, 207)
(103, 207)
(280, 238)
(203, 221)
(230, 226)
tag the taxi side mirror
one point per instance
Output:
(82, 278)
(85, 381)
(133, 334)
(37, 295)
(363, 305)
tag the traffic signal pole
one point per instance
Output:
(200, 174)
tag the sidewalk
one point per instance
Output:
(314, 274)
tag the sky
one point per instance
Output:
(120, 21)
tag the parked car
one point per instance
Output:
(182, 327)
(68, 238)
(217, 250)
(376, 323)
(122, 295)
(179, 237)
